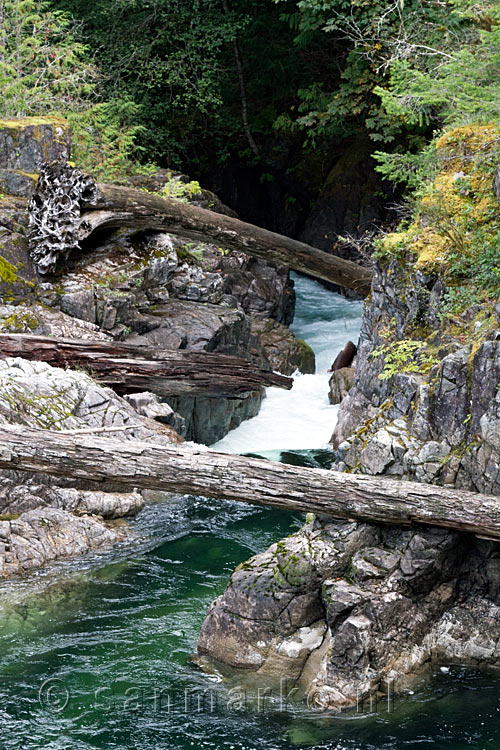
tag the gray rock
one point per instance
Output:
(15, 182)
(18, 498)
(354, 409)
(149, 405)
(38, 395)
(17, 276)
(340, 384)
(377, 455)
(386, 595)
(26, 143)
(47, 534)
(44, 321)
(281, 351)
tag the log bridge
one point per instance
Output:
(68, 206)
(184, 469)
(130, 369)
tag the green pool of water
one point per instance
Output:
(97, 654)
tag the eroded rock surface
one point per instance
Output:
(38, 395)
(43, 535)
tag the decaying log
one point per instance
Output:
(184, 469)
(131, 369)
(68, 206)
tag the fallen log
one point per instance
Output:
(131, 369)
(68, 206)
(183, 469)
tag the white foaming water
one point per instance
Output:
(302, 418)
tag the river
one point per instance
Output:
(96, 653)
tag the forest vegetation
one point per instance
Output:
(200, 85)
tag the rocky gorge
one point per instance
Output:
(142, 288)
(347, 610)
(343, 610)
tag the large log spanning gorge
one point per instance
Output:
(68, 206)
(184, 469)
(129, 369)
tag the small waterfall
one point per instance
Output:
(302, 418)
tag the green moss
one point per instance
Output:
(24, 122)
(8, 272)
(19, 322)
(308, 359)
(9, 516)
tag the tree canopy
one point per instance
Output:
(190, 84)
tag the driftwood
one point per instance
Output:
(183, 469)
(68, 206)
(130, 369)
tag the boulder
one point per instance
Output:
(344, 609)
(340, 383)
(345, 357)
(149, 405)
(281, 350)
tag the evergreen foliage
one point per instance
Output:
(43, 67)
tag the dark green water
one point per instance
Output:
(114, 639)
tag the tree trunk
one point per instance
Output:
(130, 369)
(183, 469)
(68, 206)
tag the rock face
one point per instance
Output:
(352, 201)
(17, 277)
(440, 426)
(18, 498)
(45, 321)
(38, 395)
(340, 383)
(282, 351)
(341, 610)
(25, 144)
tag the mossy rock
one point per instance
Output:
(26, 143)
(307, 363)
(17, 276)
(455, 228)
